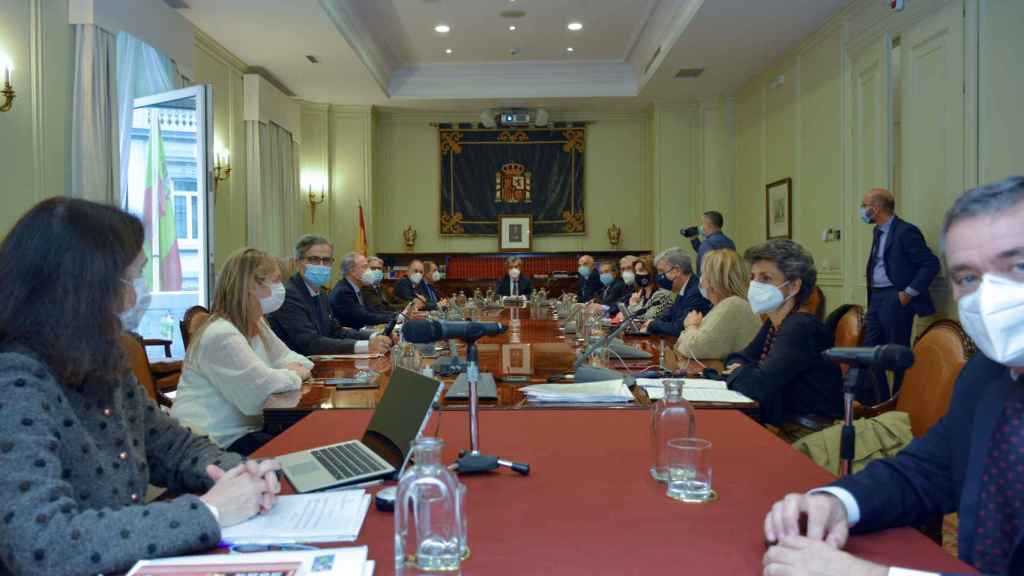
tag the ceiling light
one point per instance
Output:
(442, 28)
(512, 28)
(575, 26)
(447, 50)
(570, 49)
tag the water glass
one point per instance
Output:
(689, 470)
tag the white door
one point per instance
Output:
(169, 188)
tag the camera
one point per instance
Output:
(689, 232)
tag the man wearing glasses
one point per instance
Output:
(304, 321)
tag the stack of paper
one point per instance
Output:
(696, 390)
(585, 393)
(359, 356)
(318, 517)
(329, 561)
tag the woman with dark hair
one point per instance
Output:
(79, 438)
(782, 367)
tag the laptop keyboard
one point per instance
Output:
(347, 461)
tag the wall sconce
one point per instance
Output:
(409, 237)
(614, 235)
(315, 199)
(221, 168)
(8, 90)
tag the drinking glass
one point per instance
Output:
(689, 470)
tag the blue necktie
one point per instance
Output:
(1001, 503)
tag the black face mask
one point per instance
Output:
(643, 280)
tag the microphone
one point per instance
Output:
(426, 331)
(889, 356)
(394, 320)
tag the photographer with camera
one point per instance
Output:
(713, 237)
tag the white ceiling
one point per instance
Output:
(386, 52)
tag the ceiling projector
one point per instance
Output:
(514, 117)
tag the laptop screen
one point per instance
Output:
(401, 414)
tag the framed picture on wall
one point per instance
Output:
(515, 233)
(778, 199)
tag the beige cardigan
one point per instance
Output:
(728, 327)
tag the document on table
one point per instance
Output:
(325, 562)
(362, 356)
(696, 390)
(299, 518)
(583, 393)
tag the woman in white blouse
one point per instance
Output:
(235, 361)
(730, 325)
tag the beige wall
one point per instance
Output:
(34, 153)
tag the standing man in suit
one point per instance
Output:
(590, 279)
(412, 287)
(900, 269)
(714, 238)
(304, 321)
(675, 273)
(375, 297)
(347, 299)
(968, 462)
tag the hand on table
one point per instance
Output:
(244, 491)
(731, 368)
(800, 556)
(645, 326)
(299, 369)
(418, 303)
(826, 519)
(693, 320)
(379, 345)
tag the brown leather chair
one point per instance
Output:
(815, 304)
(846, 324)
(145, 371)
(939, 354)
(193, 317)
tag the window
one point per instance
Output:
(180, 217)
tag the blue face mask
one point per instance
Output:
(663, 281)
(378, 275)
(317, 275)
(865, 216)
(607, 278)
(584, 271)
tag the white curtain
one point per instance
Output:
(272, 177)
(142, 71)
(95, 157)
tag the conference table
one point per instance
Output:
(589, 505)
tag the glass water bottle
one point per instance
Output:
(671, 417)
(429, 517)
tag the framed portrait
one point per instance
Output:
(515, 359)
(515, 233)
(778, 198)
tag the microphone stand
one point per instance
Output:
(847, 440)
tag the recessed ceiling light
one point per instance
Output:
(447, 50)
(442, 28)
(570, 49)
(512, 28)
(575, 26)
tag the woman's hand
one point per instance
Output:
(243, 491)
(299, 369)
(635, 298)
(693, 320)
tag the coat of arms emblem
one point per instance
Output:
(512, 184)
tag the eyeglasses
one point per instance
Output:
(317, 260)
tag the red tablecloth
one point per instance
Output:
(589, 506)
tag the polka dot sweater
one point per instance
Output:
(74, 467)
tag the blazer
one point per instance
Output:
(614, 293)
(589, 287)
(941, 472)
(729, 327)
(658, 303)
(716, 241)
(908, 263)
(76, 465)
(306, 326)
(376, 299)
(671, 323)
(405, 291)
(794, 379)
(524, 285)
(350, 308)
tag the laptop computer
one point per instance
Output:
(385, 447)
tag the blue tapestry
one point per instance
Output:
(515, 171)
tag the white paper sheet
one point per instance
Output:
(342, 561)
(696, 390)
(583, 393)
(318, 517)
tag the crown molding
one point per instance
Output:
(373, 55)
(207, 44)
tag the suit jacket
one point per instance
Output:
(405, 291)
(589, 287)
(376, 299)
(671, 322)
(941, 472)
(307, 327)
(908, 263)
(614, 293)
(716, 241)
(504, 287)
(351, 311)
(794, 379)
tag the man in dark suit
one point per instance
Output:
(900, 269)
(675, 273)
(613, 291)
(590, 279)
(375, 298)
(413, 287)
(514, 278)
(969, 462)
(714, 238)
(304, 321)
(347, 298)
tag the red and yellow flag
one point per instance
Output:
(361, 245)
(159, 194)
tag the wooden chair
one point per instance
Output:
(846, 324)
(193, 317)
(939, 354)
(144, 370)
(815, 304)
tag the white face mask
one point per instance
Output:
(628, 277)
(368, 277)
(131, 317)
(703, 292)
(765, 298)
(513, 273)
(993, 316)
(436, 276)
(416, 277)
(271, 303)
